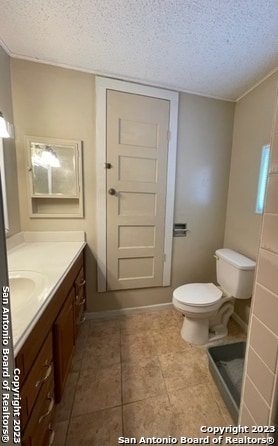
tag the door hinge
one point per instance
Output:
(164, 257)
(168, 135)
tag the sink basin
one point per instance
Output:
(26, 288)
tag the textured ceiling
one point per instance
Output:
(218, 48)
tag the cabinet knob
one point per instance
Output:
(112, 191)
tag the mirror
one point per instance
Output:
(53, 167)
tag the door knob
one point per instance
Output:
(112, 192)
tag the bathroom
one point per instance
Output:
(218, 157)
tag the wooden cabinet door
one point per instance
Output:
(64, 339)
(80, 300)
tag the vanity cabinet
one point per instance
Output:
(44, 359)
(37, 379)
(39, 431)
(64, 340)
(80, 300)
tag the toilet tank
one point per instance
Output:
(235, 273)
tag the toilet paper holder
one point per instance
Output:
(180, 230)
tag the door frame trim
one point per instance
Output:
(102, 85)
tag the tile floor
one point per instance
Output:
(134, 376)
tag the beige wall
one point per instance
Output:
(6, 108)
(55, 102)
(252, 130)
(203, 163)
(260, 388)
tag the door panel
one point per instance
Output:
(136, 237)
(134, 133)
(137, 204)
(131, 268)
(142, 170)
(137, 149)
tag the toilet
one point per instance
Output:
(207, 307)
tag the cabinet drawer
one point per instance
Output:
(39, 376)
(38, 430)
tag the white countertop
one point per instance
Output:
(49, 253)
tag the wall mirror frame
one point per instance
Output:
(55, 183)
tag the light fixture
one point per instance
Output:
(45, 157)
(4, 130)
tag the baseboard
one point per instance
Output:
(240, 322)
(110, 314)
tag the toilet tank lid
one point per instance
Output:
(236, 259)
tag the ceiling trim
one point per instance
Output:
(118, 77)
(257, 84)
(137, 81)
(5, 48)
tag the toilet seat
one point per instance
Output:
(197, 294)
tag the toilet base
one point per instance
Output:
(218, 332)
(195, 331)
(207, 329)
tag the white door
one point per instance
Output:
(136, 184)
(135, 222)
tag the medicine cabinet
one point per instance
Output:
(54, 169)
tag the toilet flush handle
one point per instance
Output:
(215, 256)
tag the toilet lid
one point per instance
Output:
(198, 294)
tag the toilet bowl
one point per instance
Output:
(206, 307)
(199, 303)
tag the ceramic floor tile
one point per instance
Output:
(101, 328)
(141, 380)
(196, 396)
(63, 411)
(200, 356)
(134, 324)
(190, 422)
(194, 412)
(137, 346)
(161, 320)
(219, 401)
(101, 351)
(82, 335)
(148, 418)
(169, 340)
(60, 430)
(195, 407)
(97, 389)
(182, 370)
(77, 360)
(101, 428)
(124, 366)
